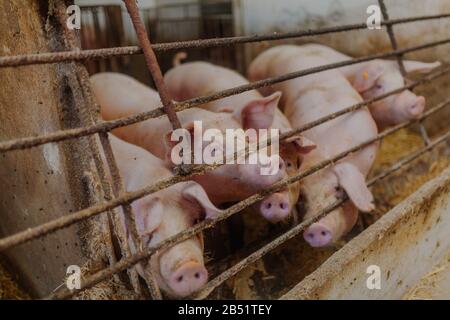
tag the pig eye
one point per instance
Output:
(288, 164)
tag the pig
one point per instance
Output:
(179, 270)
(310, 98)
(120, 96)
(376, 77)
(194, 79)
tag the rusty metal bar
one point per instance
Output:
(124, 263)
(54, 57)
(260, 253)
(63, 293)
(401, 65)
(152, 63)
(90, 116)
(129, 197)
(169, 109)
(390, 32)
(168, 106)
(106, 126)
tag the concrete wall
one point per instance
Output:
(46, 182)
(265, 16)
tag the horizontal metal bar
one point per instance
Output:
(184, 235)
(106, 126)
(129, 197)
(258, 254)
(54, 57)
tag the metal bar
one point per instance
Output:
(237, 208)
(258, 254)
(54, 57)
(106, 126)
(401, 65)
(155, 71)
(390, 32)
(152, 63)
(129, 197)
(64, 293)
(90, 116)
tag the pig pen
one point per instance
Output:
(60, 207)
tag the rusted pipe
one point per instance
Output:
(63, 293)
(55, 57)
(106, 126)
(152, 63)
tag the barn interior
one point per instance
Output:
(51, 180)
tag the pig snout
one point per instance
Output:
(188, 278)
(410, 106)
(276, 207)
(416, 109)
(318, 235)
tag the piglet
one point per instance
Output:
(180, 269)
(376, 77)
(194, 79)
(122, 96)
(310, 98)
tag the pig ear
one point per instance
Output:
(367, 76)
(421, 67)
(303, 145)
(170, 144)
(259, 113)
(193, 191)
(148, 215)
(354, 184)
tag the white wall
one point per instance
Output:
(266, 16)
(141, 3)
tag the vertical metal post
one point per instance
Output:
(394, 45)
(91, 115)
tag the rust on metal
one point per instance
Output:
(54, 57)
(90, 116)
(116, 195)
(401, 65)
(129, 197)
(124, 263)
(106, 126)
(152, 63)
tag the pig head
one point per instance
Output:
(241, 177)
(278, 206)
(179, 270)
(381, 76)
(122, 96)
(324, 188)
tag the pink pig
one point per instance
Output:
(121, 96)
(377, 77)
(194, 79)
(307, 99)
(179, 270)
